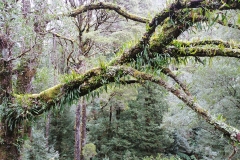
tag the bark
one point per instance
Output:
(10, 147)
(77, 147)
(110, 116)
(83, 126)
(27, 68)
(47, 129)
(8, 150)
(5, 80)
(5, 68)
(28, 65)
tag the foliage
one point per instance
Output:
(89, 151)
(216, 85)
(61, 135)
(135, 130)
(35, 148)
(220, 90)
(160, 157)
(43, 79)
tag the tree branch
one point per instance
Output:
(62, 37)
(216, 43)
(202, 52)
(63, 93)
(169, 73)
(109, 6)
(168, 33)
(233, 153)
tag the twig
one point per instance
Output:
(234, 152)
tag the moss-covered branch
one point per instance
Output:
(158, 41)
(210, 43)
(213, 4)
(202, 52)
(67, 92)
(94, 79)
(228, 130)
(109, 6)
(217, 4)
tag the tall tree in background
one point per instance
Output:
(29, 52)
(134, 130)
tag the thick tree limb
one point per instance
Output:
(202, 52)
(109, 6)
(215, 4)
(212, 43)
(93, 80)
(157, 44)
(168, 33)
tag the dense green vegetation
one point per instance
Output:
(133, 130)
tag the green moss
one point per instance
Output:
(50, 94)
(193, 51)
(23, 100)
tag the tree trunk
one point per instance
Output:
(47, 128)
(27, 68)
(8, 151)
(83, 126)
(77, 147)
(80, 129)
